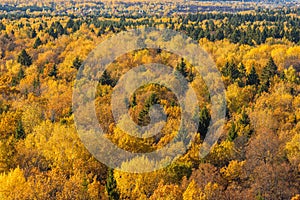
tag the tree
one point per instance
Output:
(230, 70)
(232, 134)
(77, 63)
(14, 186)
(204, 120)
(193, 192)
(294, 35)
(290, 75)
(53, 72)
(133, 102)
(252, 77)
(106, 79)
(111, 186)
(138, 185)
(7, 154)
(242, 74)
(20, 132)
(233, 71)
(181, 67)
(37, 43)
(168, 192)
(112, 29)
(143, 118)
(24, 58)
(244, 120)
(293, 150)
(52, 32)
(21, 74)
(233, 171)
(269, 71)
(31, 33)
(70, 23)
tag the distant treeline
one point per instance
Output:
(251, 29)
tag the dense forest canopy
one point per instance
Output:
(257, 52)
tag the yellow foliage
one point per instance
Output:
(167, 192)
(293, 149)
(221, 153)
(137, 185)
(238, 97)
(233, 170)
(193, 192)
(13, 185)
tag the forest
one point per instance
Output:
(257, 156)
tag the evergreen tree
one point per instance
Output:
(252, 78)
(294, 35)
(181, 67)
(225, 69)
(37, 43)
(37, 85)
(76, 26)
(143, 118)
(242, 75)
(53, 72)
(204, 121)
(233, 72)
(111, 186)
(101, 31)
(21, 75)
(106, 79)
(242, 70)
(269, 71)
(263, 36)
(236, 36)
(40, 27)
(133, 103)
(232, 134)
(111, 28)
(20, 133)
(52, 32)
(24, 58)
(70, 23)
(31, 33)
(190, 75)
(230, 70)
(77, 63)
(2, 26)
(153, 99)
(219, 35)
(244, 120)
